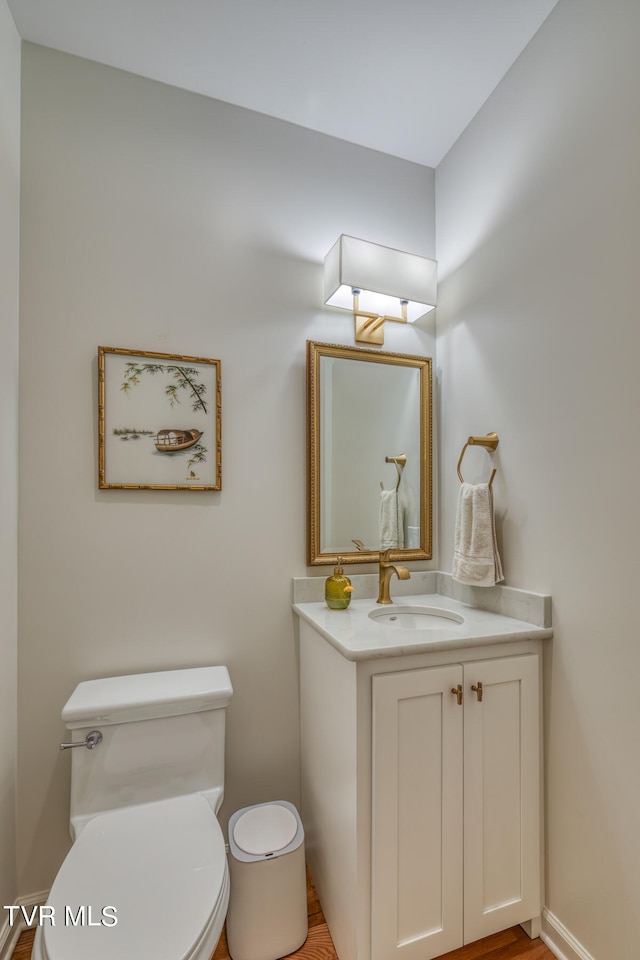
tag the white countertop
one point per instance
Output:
(357, 637)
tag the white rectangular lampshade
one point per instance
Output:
(382, 274)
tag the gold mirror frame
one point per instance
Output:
(315, 352)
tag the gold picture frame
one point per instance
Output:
(159, 421)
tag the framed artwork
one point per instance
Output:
(159, 421)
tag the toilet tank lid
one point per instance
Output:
(145, 696)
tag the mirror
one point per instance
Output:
(368, 454)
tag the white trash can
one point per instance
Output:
(267, 916)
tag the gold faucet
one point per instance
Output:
(387, 569)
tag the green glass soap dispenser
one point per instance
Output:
(338, 589)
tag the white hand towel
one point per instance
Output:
(391, 520)
(476, 559)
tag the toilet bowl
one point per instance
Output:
(147, 878)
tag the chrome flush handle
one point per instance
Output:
(91, 740)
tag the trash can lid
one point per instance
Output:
(265, 828)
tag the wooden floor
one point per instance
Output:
(511, 944)
(23, 947)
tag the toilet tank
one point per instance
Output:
(163, 735)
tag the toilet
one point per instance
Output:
(147, 874)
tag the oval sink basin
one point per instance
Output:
(415, 618)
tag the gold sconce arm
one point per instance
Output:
(369, 327)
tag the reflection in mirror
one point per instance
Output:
(368, 454)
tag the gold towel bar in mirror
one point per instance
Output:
(399, 462)
(490, 442)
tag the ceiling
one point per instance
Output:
(402, 76)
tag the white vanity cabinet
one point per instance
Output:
(455, 804)
(422, 814)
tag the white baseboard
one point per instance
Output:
(559, 940)
(10, 933)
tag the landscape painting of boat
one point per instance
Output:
(169, 441)
(147, 397)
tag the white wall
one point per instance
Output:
(157, 219)
(9, 259)
(538, 240)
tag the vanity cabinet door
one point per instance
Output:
(501, 795)
(416, 814)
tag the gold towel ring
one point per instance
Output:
(399, 462)
(490, 442)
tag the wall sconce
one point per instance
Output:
(376, 283)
